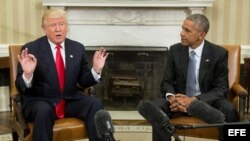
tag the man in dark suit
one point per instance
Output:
(47, 95)
(210, 83)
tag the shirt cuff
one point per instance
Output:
(168, 94)
(27, 82)
(97, 76)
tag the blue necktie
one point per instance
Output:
(191, 76)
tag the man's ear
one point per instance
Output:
(202, 35)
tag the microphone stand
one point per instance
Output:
(179, 126)
(109, 137)
(171, 129)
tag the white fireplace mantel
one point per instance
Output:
(128, 3)
(127, 22)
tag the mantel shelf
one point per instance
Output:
(129, 3)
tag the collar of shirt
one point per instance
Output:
(198, 50)
(53, 49)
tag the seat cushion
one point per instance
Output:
(65, 129)
(211, 132)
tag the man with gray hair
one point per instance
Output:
(196, 70)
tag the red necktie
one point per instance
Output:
(60, 73)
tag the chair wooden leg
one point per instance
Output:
(10, 104)
(14, 136)
(247, 106)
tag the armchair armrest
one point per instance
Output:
(19, 123)
(241, 93)
(87, 91)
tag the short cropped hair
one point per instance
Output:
(200, 20)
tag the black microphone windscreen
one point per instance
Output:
(202, 110)
(103, 123)
(157, 117)
(152, 113)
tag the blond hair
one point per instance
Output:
(53, 13)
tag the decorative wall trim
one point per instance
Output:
(135, 128)
(4, 50)
(125, 16)
(129, 3)
(245, 53)
(4, 98)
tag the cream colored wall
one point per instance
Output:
(230, 20)
(20, 21)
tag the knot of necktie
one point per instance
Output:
(192, 55)
(58, 47)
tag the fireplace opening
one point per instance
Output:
(130, 75)
(124, 91)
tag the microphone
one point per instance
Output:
(157, 117)
(205, 112)
(104, 126)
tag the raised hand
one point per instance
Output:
(99, 60)
(28, 63)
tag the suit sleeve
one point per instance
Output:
(86, 78)
(169, 76)
(19, 82)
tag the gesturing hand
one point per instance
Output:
(99, 59)
(28, 63)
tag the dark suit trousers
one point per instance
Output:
(42, 114)
(223, 105)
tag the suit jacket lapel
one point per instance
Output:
(69, 59)
(184, 56)
(206, 58)
(48, 59)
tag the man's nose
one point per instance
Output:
(182, 33)
(58, 27)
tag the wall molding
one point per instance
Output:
(125, 16)
(129, 3)
(4, 50)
